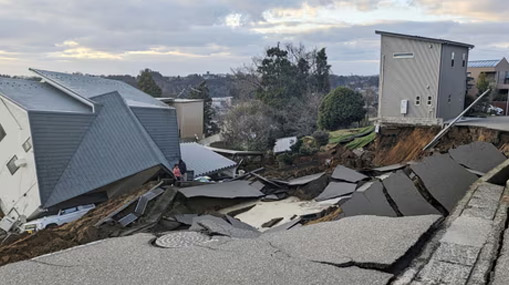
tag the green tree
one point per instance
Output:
(202, 92)
(482, 83)
(147, 84)
(321, 73)
(340, 108)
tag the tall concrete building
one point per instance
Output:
(422, 80)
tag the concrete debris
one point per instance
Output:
(284, 227)
(227, 190)
(478, 156)
(347, 174)
(266, 211)
(272, 222)
(186, 219)
(312, 189)
(369, 199)
(390, 168)
(212, 225)
(444, 179)
(305, 179)
(336, 189)
(408, 199)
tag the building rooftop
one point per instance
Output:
(88, 87)
(38, 96)
(483, 63)
(441, 41)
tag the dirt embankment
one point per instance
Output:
(76, 233)
(406, 144)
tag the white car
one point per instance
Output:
(64, 216)
(495, 110)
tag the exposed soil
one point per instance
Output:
(79, 232)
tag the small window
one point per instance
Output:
(417, 100)
(403, 55)
(449, 99)
(429, 101)
(2, 133)
(11, 165)
(464, 62)
(452, 59)
(27, 145)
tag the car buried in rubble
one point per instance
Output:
(64, 216)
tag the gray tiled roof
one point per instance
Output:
(114, 147)
(483, 63)
(34, 95)
(89, 86)
(203, 160)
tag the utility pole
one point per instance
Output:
(507, 103)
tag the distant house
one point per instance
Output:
(496, 71)
(189, 116)
(422, 80)
(75, 139)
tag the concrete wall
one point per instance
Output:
(408, 78)
(190, 118)
(19, 192)
(453, 82)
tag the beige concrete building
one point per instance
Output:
(189, 116)
(497, 73)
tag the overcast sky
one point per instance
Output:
(179, 37)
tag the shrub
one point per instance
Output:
(321, 137)
(340, 108)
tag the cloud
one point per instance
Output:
(181, 36)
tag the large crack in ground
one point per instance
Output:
(500, 247)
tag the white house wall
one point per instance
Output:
(19, 193)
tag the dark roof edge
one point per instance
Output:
(446, 42)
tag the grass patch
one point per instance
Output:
(361, 142)
(340, 135)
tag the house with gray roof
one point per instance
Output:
(71, 139)
(496, 72)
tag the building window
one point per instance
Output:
(2, 133)
(417, 100)
(403, 55)
(452, 59)
(464, 62)
(506, 81)
(449, 99)
(11, 165)
(27, 145)
(429, 101)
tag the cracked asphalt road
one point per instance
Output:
(291, 257)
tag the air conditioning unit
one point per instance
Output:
(404, 107)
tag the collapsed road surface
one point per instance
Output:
(354, 250)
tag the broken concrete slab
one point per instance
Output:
(369, 199)
(272, 222)
(346, 174)
(186, 219)
(468, 231)
(376, 241)
(238, 224)
(310, 190)
(484, 201)
(501, 274)
(403, 192)
(285, 226)
(227, 190)
(212, 225)
(287, 208)
(133, 260)
(479, 156)
(336, 189)
(390, 168)
(445, 180)
(305, 179)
